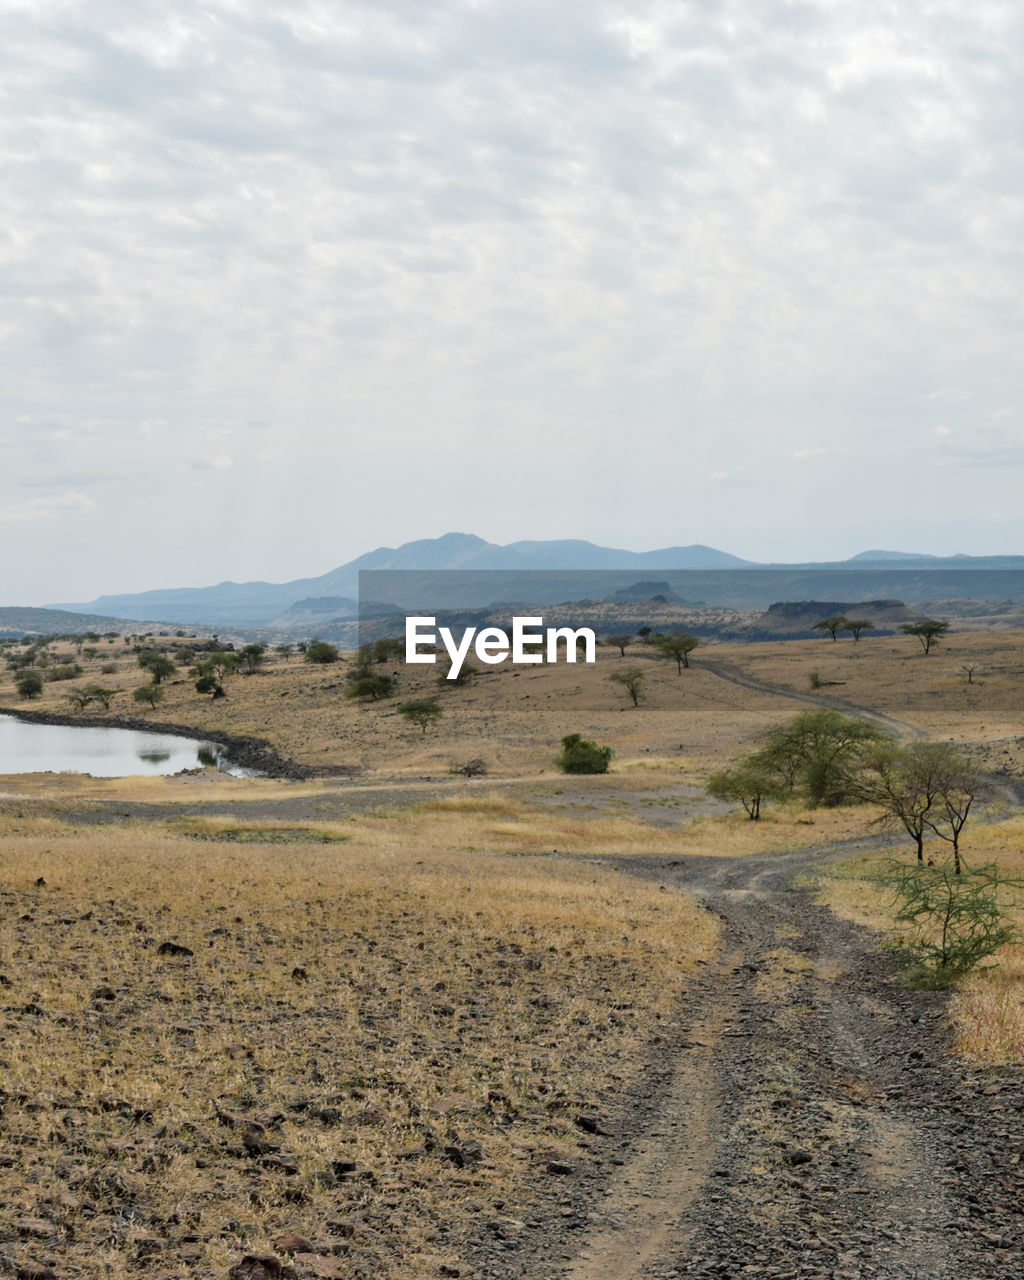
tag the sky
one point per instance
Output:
(282, 283)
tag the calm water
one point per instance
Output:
(103, 753)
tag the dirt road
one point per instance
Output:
(813, 1121)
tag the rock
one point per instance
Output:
(465, 1153)
(560, 1167)
(173, 949)
(261, 1266)
(797, 1155)
(292, 1242)
(590, 1124)
(255, 1144)
(104, 993)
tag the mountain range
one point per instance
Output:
(261, 604)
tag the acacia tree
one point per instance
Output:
(676, 644)
(253, 656)
(150, 694)
(749, 784)
(833, 624)
(857, 626)
(620, 641)
(929, 631)
(818, 751)
(421, 712)
(159, 665)
(99, 693)
(905, 782)
(632, 680)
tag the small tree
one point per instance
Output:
(421, 712)
(466, 675)
(388, 649)
(580, 755)
(29, 684)
(159, 665)
(99, 693)
(818, 751)
(632, 680)
(79, 698)
(958, 786)
(953, 919)
(928, 631)
(748, 784)
(619, 642)
(676, 644)
(148, 695)
(320, 652)
(252, 656)
(904, 782)
(858, 626)
(365, 686)
(833, 624)
(208, 683)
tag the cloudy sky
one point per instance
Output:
(283, 282)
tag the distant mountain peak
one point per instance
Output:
(890, 555)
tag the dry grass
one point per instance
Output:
(343, 1003)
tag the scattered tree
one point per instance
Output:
(159, 665)
(676, 644)
(421, 712)
(580, 755)
(366, 686)
(320, 652)
(749, 784)
(632, 680)
(209, 683)
(148, 694)
(79, 698)
(928, 631)
(619, 642)
(969, 673)
(466, 675)
(833, 624)
(818, 751)
(253, 657)
(858, 626)
(29, 684)
(99, 693)
(388, 649)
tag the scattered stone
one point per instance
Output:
(173, 949)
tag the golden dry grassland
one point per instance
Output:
(366, 1045)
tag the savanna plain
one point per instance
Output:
(387, 1017)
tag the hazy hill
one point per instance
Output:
(17, 622)
(259, 603)
(697, 573)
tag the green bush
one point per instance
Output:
(952, 920)
(320, 652)
(580, 755)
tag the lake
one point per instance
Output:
(103, 753)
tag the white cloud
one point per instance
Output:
(213, 462)
(461, 236)
(51, 505)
